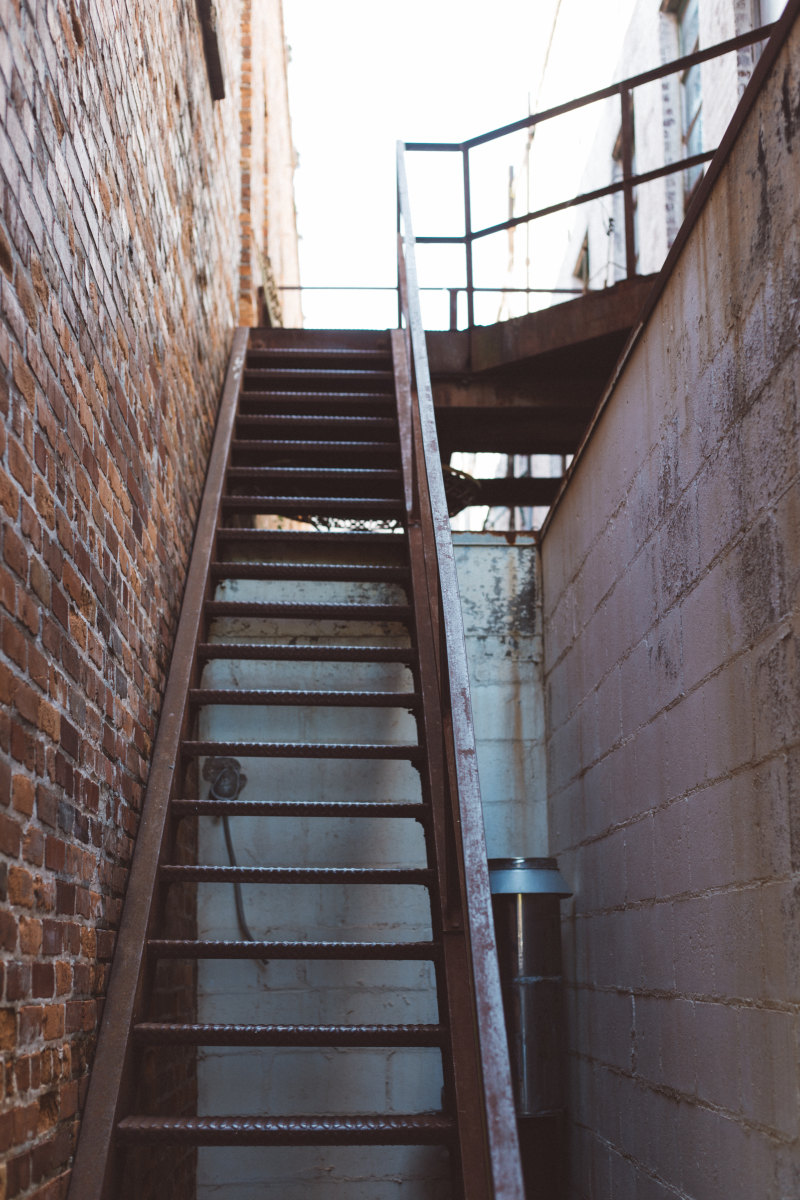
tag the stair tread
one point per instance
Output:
(364, 352)
(309, 653)
(291, 446)
(329, 420)
(220, 1034)
(302, 808)
(300, 749)
(296, 609)
(258, 569)
(349, 473)
(363, 503)
(393, 1128)
(358, 537)
(303, 698)
(228, 948)
(221, 873)
(303, 371)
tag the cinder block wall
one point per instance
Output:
(671, 571)
(119, 259)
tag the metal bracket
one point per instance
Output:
(226, 777)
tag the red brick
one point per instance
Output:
(20, 465)
(30, 935)
(8, 931)
(9, 494)
(10, 836)
(8, 591)
(22, 794)
(20, 887)
(15, 553)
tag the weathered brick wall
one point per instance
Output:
(671, 571)
(119, 259)
(268, 228)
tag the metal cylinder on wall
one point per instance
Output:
(525, 902)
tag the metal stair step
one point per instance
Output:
(316, 401)
(334, 355)
(317, 423)
(374, 507)
(310, 537)
(319, 612)
(391, 1130)
(179, 873)
(299, 750)
(352, 378)
(289, 448)
(306, 653)
(301, 808)
(160, 1033)
(382, 951)
(313, 571)
(320, 481)
(328, 474)
(408, 700)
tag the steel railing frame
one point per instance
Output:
(626, 184)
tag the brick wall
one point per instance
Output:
(268, 229)
(119, 256)
(671, 573)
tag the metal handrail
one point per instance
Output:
(466, 814)
(626, 184)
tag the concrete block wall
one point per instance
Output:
(498, 578)
(670, 576)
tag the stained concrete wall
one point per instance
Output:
(671, 570)
(498, 577)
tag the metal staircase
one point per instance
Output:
(316, 707)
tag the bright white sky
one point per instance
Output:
(364, 73)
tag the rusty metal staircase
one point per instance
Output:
(310, 861)
(320, 434)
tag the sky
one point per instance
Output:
(365, 73)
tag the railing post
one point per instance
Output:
(453, 307)
(626, 102)
(399, 261)
(468, 237)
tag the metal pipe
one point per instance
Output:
(525, 904)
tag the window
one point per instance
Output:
(692, 96)
(767, 11)
(616, 234)
(581, 272)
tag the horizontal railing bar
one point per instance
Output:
(613, 89)
(425, 146)
(684, 164)
(445, 287)
(347, 287)
(455, 240)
